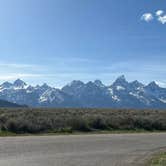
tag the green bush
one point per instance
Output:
(79, 124)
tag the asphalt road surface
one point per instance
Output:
(80, 150)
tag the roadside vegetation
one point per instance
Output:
(38, 121)
(159, 160)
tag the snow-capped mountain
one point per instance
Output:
(121, 94)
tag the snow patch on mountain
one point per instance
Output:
(110, 90)
(120, 88)
(51, 95)
(115, 98)
(163, 100)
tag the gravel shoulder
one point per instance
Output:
(80, 150)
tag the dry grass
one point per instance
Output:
(158, 160)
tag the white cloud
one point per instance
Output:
(147, 17)
(17, 75)
(162, 19)
(159, 12)
(159, 16)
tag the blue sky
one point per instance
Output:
(56, 41)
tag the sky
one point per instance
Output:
(57, 41)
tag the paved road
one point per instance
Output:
(80, 150)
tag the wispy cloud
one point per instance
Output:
(14, 76)
(147, 17)
(159, 16)
(15, 65)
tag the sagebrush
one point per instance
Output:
(26, 120)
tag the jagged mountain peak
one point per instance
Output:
(95, 84)
(120, 81)
(153, 85)
(74, 88)
(37, 86)
(31, 88)
(19, 83)
(136, 84)
(99, 83)
(91, 85)
(121, 77)
(76, 83)
(45, 85)
(6, 85)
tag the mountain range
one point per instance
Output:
(7, 104)
(120, 94)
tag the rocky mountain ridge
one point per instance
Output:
(121, 94)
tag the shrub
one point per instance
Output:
(68, 120)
